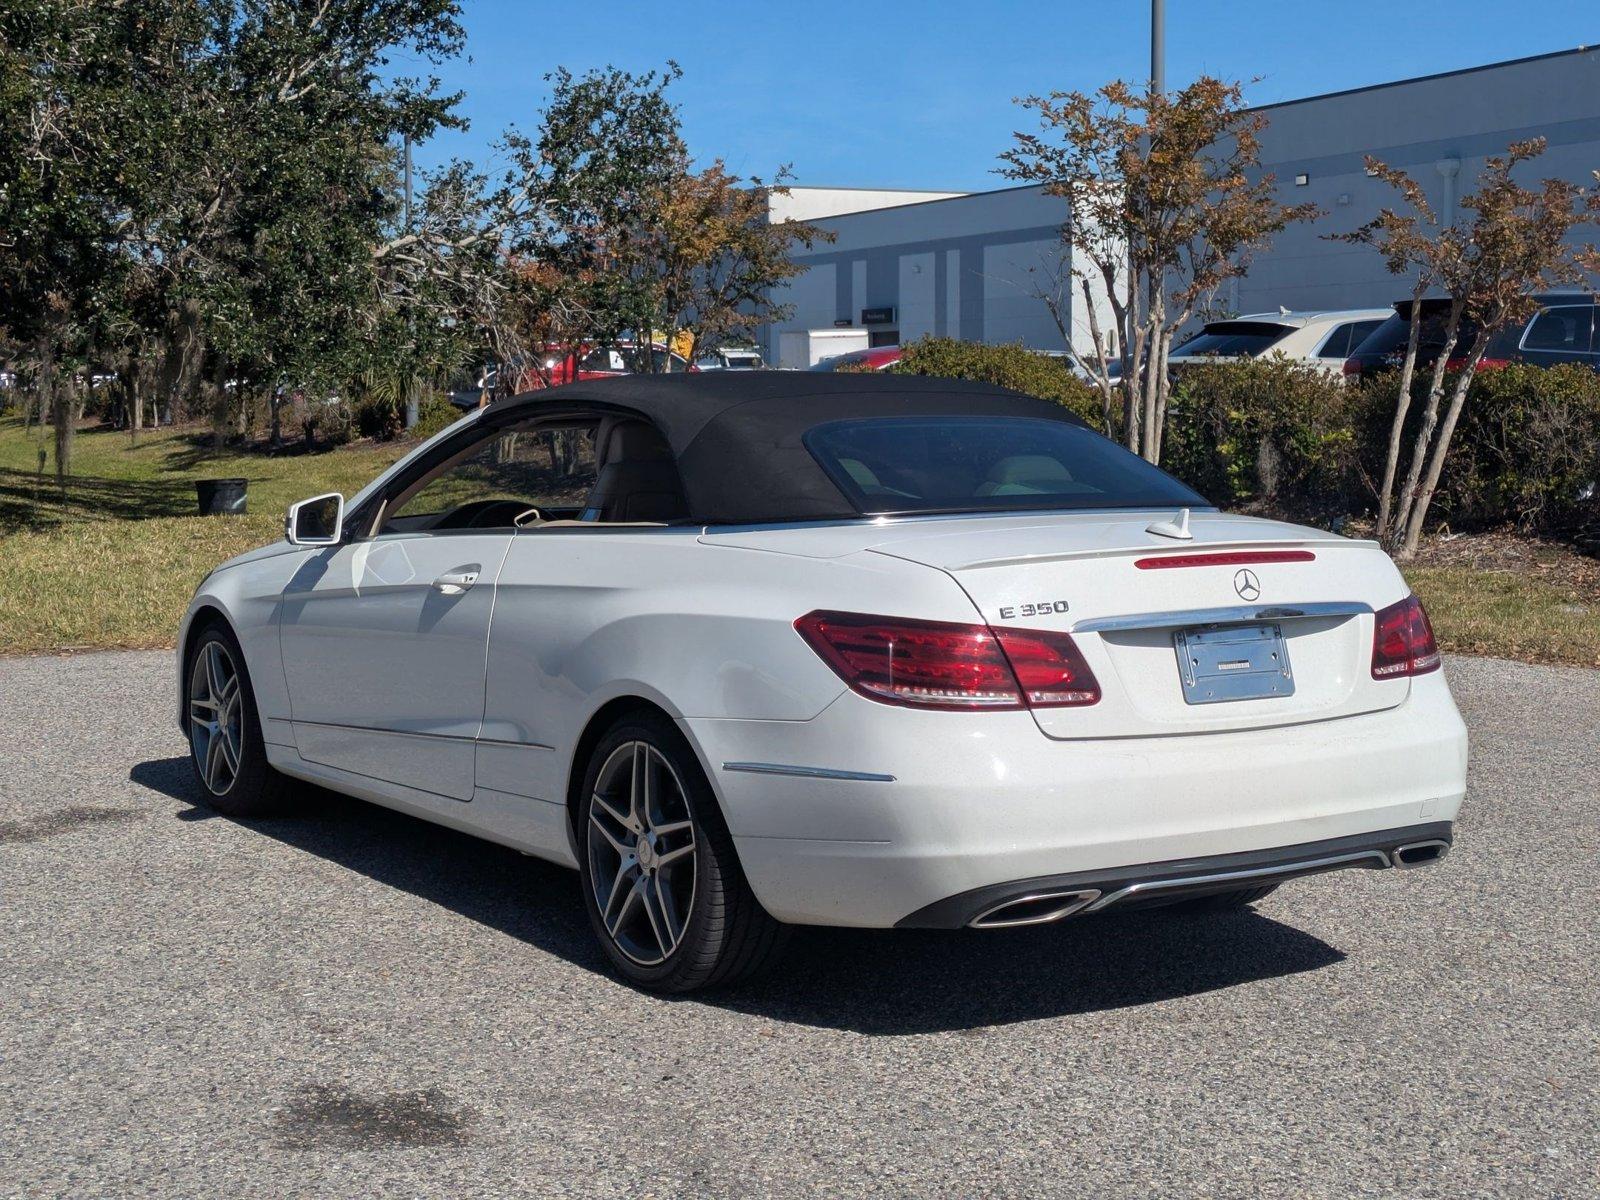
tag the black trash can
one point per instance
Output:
(221, 497)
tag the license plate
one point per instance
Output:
(1233, 662)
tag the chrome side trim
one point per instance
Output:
(422, 733)
(1083, 898)
(760, 768)
(1232, 615)
(1376, 859)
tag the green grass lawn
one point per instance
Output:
(1506, 614)
(112, 560)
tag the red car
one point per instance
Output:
(566, 366)
(599, 363)
(878, 358)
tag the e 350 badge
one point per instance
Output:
(1042, 608)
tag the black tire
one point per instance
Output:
(255, 789)
(724, 936)
(1218, 902)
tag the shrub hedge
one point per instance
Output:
(1010, 366)
(1527, 451)
(1283, 438)
(1264, 433)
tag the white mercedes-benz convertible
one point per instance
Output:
(750, 650)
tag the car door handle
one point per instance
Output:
(453, 583)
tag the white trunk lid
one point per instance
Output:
(1080, 572)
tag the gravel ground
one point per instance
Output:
(355, 1003)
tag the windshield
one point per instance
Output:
(1233, 339)
(892, 465)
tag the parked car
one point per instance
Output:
(761, 649)
(1563, 330)
(731, 358)
(1319, 339)
(876, 358)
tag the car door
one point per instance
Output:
(383, 637)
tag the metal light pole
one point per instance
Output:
(1158, 86)
(1158, 45)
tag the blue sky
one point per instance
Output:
(919, 95)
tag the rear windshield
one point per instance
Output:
(1233, 339)
(891, 465)
(1390, 337)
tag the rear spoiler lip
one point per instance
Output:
(1233, 615)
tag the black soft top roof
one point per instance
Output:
(737, 435)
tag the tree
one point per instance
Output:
(714, 260)
(72, 77)
(194, 187)
(609, 229)
(1411, 244)
(1488, 265)
(1166, 203)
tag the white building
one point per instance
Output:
(964, 266)
(970, 265)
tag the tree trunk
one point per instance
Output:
(219, 403)
(1391, 460)
(1430, 422)
(46, 385)
(1163, 394)
(65, 407)
(1152, 377)
(135, 400)
(1102, 356)
(1430, 483)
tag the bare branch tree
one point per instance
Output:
(1166, 202)
(1488, 266)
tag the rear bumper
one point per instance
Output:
(1052, 897)
(897, 810)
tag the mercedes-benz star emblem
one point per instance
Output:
(1247, 585)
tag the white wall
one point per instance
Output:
(1452, 121)
(960, 266)
(809, 203)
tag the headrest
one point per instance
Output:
(1029, 468)
(632, 441)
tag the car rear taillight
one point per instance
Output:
(1484, 364)
(1403, 642)
(946, 665)
(1049, 667)
(1352, 368)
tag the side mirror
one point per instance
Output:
(318, 521)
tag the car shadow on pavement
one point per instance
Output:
(868, 981)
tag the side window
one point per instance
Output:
(1360, 331)
(516, 478)
(1566, 330)
(1344, 339)
(1338, 343)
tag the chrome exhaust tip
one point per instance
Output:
(1036, 908)
(1419, 854)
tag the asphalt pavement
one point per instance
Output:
(354, 1003)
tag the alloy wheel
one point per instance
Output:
(642, 858)
(216, 717)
